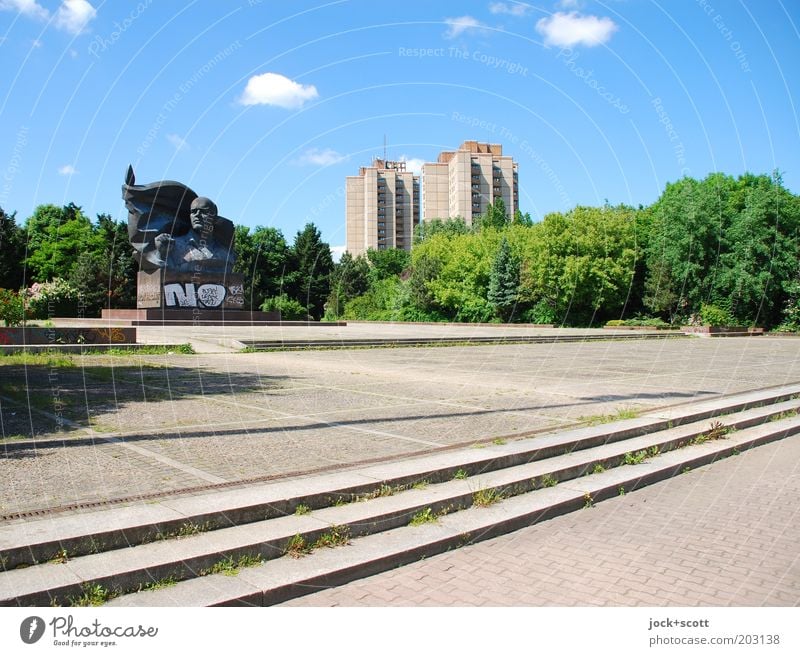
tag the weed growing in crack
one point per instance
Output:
(486, 497)
(425, 516)
(297, 547)
(336, 536)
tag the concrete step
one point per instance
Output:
(29, 541)
(286, 578)
(277, 344)
(125, 570)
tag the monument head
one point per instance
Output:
(203, 214)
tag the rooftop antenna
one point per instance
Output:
(384, 147)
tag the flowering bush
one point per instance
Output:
(12, 307)
(56, 298)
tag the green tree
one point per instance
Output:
(261, 257)
(791, 310)
(386, 263)
(503, 290)
(56, 237)
(522, 219)
(118, 262)
(89, 277)
(383, 301)
(349, 279)
(104, 274)
(460, 266)
(309, 281)
(578, 266)
(689, 223)
(761, 255)
(421, 301)
(430, 227)
(12, 252)
(495, 216)
(722, 241)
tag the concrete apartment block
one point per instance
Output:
(382, 207)
(463, 182)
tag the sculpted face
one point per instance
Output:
(203, 214)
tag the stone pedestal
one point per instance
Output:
(200, 291)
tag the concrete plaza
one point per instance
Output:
(133, 427)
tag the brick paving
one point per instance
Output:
(191, 420)
(725, 534)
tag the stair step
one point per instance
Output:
(478, 339)
(286, 578)
(27, 542)
(179, 559)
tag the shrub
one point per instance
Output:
(646, 322)
(791, 311)
(712, 315)
(541, 312)
(290, 309)
(56, 298)
(12, 307)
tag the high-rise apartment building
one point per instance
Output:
(463, 182)
(381, 207)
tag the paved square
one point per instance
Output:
(143, 425)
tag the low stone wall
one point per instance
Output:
(644, 328)
(707, 331)
(21, 336)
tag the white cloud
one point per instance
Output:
(319, 157)
(67, 169)
(278, 90)
(337, 252)
(179, 142)
(36, 43)
(74, 15)
(457, 26)
(29, 8)
(511, 8)
(569, 4)
(567, 30)
(413, 164)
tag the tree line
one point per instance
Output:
(719, 250)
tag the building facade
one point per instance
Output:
(465, 181)
(382, 207)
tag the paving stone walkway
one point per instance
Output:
(725, 534)
(127, 427)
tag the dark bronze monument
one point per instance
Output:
(184, 248)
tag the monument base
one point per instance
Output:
(192, 316)
(197, 291)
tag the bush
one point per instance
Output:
(543, 312)
(12, 307)
(646, 322)
(383, 301)
(56, 298)
(712, 315)
(290, 309)
(791, 311)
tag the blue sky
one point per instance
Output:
(266, 106)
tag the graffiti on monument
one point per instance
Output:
(209, 295)
(34, 335)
